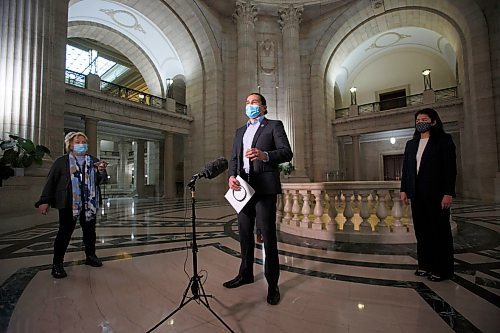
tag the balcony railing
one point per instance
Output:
(115, 90)
(74, 78)
(446, 94)
(132, 95)
(390, 104)
(180, 108)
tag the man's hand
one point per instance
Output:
(255, 154)
(446, 202)
(403, 197)
(43, 209)
(234, 184)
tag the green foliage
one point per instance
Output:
(286, 168)
(19, 153)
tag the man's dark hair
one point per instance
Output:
(262, 99)
(435, 130)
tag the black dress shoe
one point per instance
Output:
(58, 271)
(273, 295)
(420, 272)
(437, 278)
(238, 281)
(93, 261)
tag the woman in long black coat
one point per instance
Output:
(73, 188)
(428, 180)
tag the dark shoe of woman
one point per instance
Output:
(93, 261)
(420, 272)
(437, 278)
(58, 271)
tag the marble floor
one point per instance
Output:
(325, 286)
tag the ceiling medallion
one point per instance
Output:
(124, 19)
(387, 39)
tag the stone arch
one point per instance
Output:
(115, 39)
(463, 24)
(189, 32)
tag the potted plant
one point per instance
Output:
(286, 168)
(5, 172)
(19, 153)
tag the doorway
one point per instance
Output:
(393, 166)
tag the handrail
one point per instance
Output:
(440, 95)
(74, 78)
(116, 90)
(132, 95)
(180, 108)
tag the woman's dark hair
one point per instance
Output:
(437, 129)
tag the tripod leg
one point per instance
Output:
(183, 303)
(204, 300)
(195, 284)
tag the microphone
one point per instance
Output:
(214, 168)
(211, 170)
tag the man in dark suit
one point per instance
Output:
(259, 147)
(428, 179)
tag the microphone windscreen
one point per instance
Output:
(215, 168)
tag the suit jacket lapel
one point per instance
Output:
(239, 141)
(259, 131)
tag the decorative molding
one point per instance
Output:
(245, 12)
(379, 43)
(290, 16)
(378, 4)
(267, 57)
(115, 16)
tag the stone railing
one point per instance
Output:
(400, 102)
(358, 212)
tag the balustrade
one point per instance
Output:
(361, 211)
(115, 90)
(412, 100)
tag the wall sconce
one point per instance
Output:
(392, 140)
(141, 98)
(353, 95)
(427, 79)
(170, 88)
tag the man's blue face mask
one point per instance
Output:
(252, 111)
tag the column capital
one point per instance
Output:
(290, 16)
(245, 12)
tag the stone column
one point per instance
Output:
(139, 168)
(356, 158)
(245, 16)
(152, 163)
(91, 132)
(121, 170)
(169, 168)
(32, 59)
(289, 21)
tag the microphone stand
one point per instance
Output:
(195, 285)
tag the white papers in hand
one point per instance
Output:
(238, 199)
